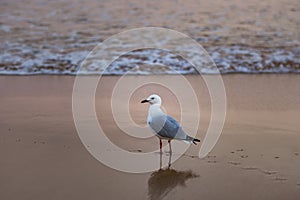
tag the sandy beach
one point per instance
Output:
(256, 157)
(43, 46)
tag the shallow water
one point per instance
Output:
(54, 37)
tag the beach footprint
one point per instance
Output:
(249, 168)
(278, 178)
(211, 156)
(244, 156)
(212, 161)
(136, 151)
(268, 172)
(276, 157)
(235, 163)
(191, 156)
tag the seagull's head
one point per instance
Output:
(152, 99)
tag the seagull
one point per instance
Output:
(164, 126)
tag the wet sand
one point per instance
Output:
(256, 157)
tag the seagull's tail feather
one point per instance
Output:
(191, 139)
(195, 141)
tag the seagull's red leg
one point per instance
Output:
(169, 141)
(160, 145)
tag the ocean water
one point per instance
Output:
(54, 37)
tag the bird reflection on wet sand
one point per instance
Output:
(161, 182)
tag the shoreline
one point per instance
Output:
(204, 74)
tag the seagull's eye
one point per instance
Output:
(152, 98)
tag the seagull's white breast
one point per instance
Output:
(149, 120)
(156, 118)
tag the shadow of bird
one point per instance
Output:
(161, 182)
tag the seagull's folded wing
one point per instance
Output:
(167, 127)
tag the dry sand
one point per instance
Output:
(257, 156)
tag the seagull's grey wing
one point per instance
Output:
(167, 127)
